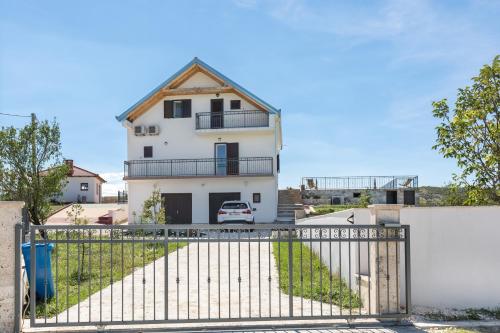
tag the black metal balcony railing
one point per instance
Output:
(232, 119)
(203, 167)
(359, 182)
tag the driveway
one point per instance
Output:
(140, 295)
(90, 212)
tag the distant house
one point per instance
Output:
(83, 186)
(348, 190)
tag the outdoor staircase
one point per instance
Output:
(289, 201)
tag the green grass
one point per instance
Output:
(320, 277)
(453, 330)
(55, 207)
(467, 314)
(66, 259)
(327, 209)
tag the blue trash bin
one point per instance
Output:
(43, 269)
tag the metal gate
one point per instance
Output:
(139, 274)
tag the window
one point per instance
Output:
(235, 104)
(84, 186)
(356, 195)
(148, 151)
(256, 198)
(235, 205)
(177, 109)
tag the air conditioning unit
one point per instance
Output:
(140, 130)
(153, 130)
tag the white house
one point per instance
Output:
(83, 186)
(201, 139)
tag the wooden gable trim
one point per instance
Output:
(249, 100)
(173, 89)
(196, 91)
(189, 91)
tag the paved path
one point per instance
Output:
(196, 297)
(90, 212)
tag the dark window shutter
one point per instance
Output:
(233, 158)
(235, 104)
(278, 163)
(186, 108)
(168, 109)
(148, 151)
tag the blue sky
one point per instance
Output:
(354, 79)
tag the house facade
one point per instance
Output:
(201, 139)
(82, 185)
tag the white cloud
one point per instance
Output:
(418, 31)
(114, 183)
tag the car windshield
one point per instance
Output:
(234, 205)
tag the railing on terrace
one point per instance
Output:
(359, 182)
(202, 167)
(232, 119)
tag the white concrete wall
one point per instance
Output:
(455, 255)
(140, 190)
(339, 255)
(72, 189)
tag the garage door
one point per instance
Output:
(178, 207)
(215, 202)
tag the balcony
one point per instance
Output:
(360, 183)
(223, 121)
(202, 167)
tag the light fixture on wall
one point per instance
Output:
(217, 95)
(220, 139)
(165, 143)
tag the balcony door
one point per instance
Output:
(226, 159)
(216, 113)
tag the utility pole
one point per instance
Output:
(34, 182)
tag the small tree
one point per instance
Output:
(153, 210)
(74, 216)
(31, 169)
(470, 134)
(365, 199)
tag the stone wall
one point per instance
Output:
(10, 215)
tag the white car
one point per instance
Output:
(236, 211)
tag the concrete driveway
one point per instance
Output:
(194, 290)
(90, 212)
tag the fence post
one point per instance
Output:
(384, 260)
(11, 214)
(290, 273)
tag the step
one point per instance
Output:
(288, 214)
(285, 219)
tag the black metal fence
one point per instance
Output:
(122, 197)
(359, 182)
(138, 274)
(232, 119)
(201, 167)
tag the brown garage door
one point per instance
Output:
(178, 207)
(215, 201)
